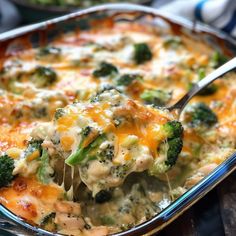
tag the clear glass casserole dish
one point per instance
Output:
(45, 32)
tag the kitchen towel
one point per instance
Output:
(220, 14)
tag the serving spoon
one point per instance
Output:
(178, 107)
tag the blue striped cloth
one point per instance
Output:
(220, 14)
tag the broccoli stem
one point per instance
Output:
(85, 154)
(44, 171)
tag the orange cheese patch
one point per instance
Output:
(29, 199)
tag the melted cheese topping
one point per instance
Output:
(30, 199)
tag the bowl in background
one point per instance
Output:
(35, 12)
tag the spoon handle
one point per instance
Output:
(228, 66)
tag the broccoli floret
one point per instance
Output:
(48, 222)
(156, 97)
(174, 148)
(199, 115)
(210, 89)
(218, 59)
(172, 41)
(45, 171)
(103, 196)
(6, 169)
(105, 69)
(106, 154)
(173, 129)
(43, 76)
(127, 79)
(142, 53)
(49, 50)
(169, 149)
(88, 147)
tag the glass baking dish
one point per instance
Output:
(41, 33)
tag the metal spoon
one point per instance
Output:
(178, 107)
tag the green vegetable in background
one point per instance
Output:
(105, 69)
(218, 59)
(142, 53)
(156, 97)
(199, 116)
(49, 51)
(172, 42)
(43, 76)
(210, 89)
(127, 79)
